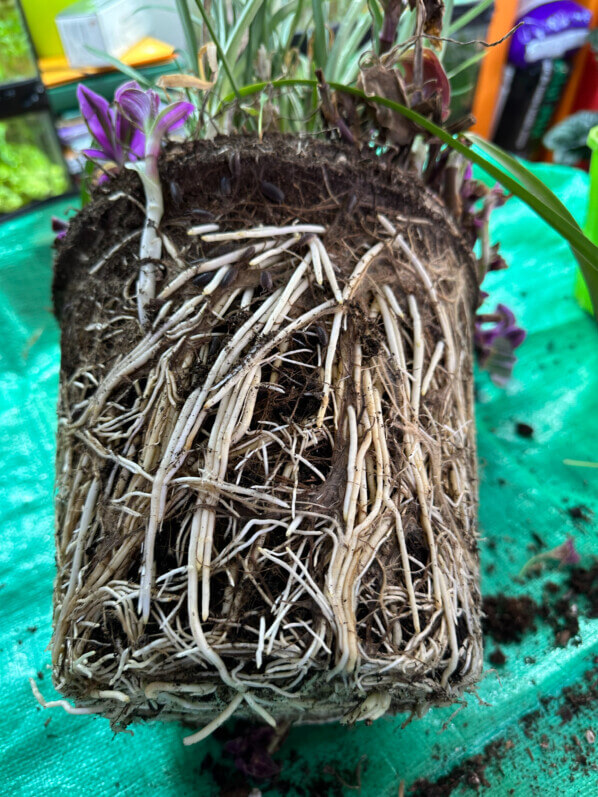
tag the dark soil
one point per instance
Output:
(580, 512)
(471, 772)
(507, 619)
(320, 182)
(529, 733)
(497, 657)
(584, 581)
(524, 429)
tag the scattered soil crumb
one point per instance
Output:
(584, 581)
(497, 657)
(524, 429)
(507, 619)
(471, 772)
(580, 512)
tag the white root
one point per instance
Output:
(288, 458)
(216, 723)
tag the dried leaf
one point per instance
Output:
(211, 54)
(180, 81)
(386, 82)
(432, 12)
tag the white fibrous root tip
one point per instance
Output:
(64, 704)
(372, 708)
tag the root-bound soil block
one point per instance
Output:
(267, 496)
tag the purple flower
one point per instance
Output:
(117, 139)
(495, 346)
(59, 226)
(142, 109)
(250, 752)
(139, 106)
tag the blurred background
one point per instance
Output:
(535, 93)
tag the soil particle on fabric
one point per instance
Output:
(530, 735)
(497, 657)
(584, 582)
(508, 618)
(580, 512)
(470, 773)
(524, 429)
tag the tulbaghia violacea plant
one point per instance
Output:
(130, 134)
(267, 500)
(142, 109)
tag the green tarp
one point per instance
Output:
(526, 490)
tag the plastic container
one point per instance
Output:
(32, 168)
(31, 165)
(41, 21)
(17, 59)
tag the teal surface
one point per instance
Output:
(525, 491)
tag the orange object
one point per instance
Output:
(491, 70)
(56, 71)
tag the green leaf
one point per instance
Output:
(352, 28)
(569, 138)
(465, 65)
(319, 34)
(447, 17)
(127, 70)
(86, 178)
(240, 29)
(377, 15)
(213, 36)
(189, 31)
(524, 176)
(466, 18)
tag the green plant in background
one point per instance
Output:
(568, 140)
(27, 173)
(16, 60)
(269, 53)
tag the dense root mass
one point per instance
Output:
(267, 497)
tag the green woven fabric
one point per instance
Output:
(525, 491)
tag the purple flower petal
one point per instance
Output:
(128, 86)
(170, 118)
(96, 154)
(60, 227)
(173, 116)
(131, 137)
(137, 144)
(96, 112)
(495, 346)
(508, 316)
(567, 553)
(135, 104)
